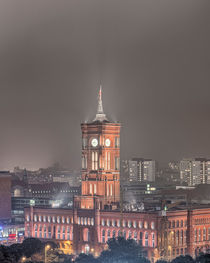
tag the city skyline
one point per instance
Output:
(153, 68)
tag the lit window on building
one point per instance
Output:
(78, 220)
(40, 231)
(67, 220)
(195, 235)
(118, 223)
(92, 221)
(58, 232)
(35, 229)
(146, 239)
(35, 218)
(129, 223)
(181, 223)
(53, 219)
(49, 219)
(140, 224)
(82, 221)
(85, 221)
(153, 239)
(177, 237)
(113, 234)
(135, 236)
(153, 225)
(113, 222)
(68, 233)
(64, 232)
(44, 218)
(145, 225)
(58, 219)
(199, 235)
(49, 231)
(102, 222)
(40, 218)
(45, 231)
(134, 224)
(108, 222)
(177, 223)
(108, 234)
(63, 219)
(129, 234)
(103, 236)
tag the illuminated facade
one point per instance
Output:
(97, 216)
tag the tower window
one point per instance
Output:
(94, 161)
(94, 188)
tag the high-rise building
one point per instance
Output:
(5, 198)
(142, 170)
(195, 171)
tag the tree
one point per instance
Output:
(122, 250)
(203, 258)
(84, 258)
(31, 246)
(183, 259)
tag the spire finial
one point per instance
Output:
(100, 116)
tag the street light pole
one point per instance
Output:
(47, 247)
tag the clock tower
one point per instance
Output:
(100, 161)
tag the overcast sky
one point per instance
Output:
(151, 56)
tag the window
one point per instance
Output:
(117, 142)
(63, 220)
(153, 239)
(146, 239)
(140, 238)
(117, 163)
(103, 236)
(124, 234)
(45, 231)
(44, 218)
(119, 233)
(114, 234)
(181, 237)
(94, 160)
(91, 189)
(68, 233)
(58, 219)
(140, 224)
(118, 223)
(152, 225)
(94, 188)
(129, 223)
(102, 222)
(173, 224)
(49, 231)
(108, 222)
(199, 234)
(185, 236)
(145, 225)
(134, 224)
(129, 234)
(108, 234)
(58, 232)
(85, 221)
(53, 219)
(181, 223)
(135, 236)
(35, 229)
(113, 222)
(209, 233)
(78, 220)
(195, 235)
(35, 218)
(40, 231)
(111, 190)
(108, 161)
(49, 219)
(82, 222)
(40, 218)
(177, 237)
(92, 221)
(177, 223)
(204, 234)
(67, 220)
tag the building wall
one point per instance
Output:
(5, 198)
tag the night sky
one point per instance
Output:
(152, 58)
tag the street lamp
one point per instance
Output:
(23, 259)
(47, 247)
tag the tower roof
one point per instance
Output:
(100, 115)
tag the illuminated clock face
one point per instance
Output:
(94, 142)
(107, 142)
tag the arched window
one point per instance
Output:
(141, 238)
(124, 234)
(146, 239)
(49, 231)
(103, 236)
(135, 235)
(153, 239)
(204, 234)
(108, 234)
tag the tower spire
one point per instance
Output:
(100, 115)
